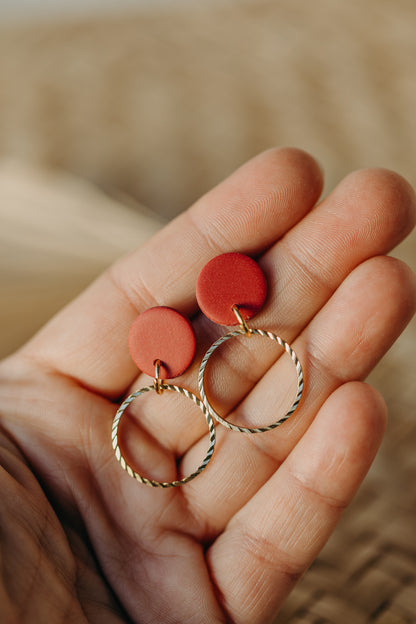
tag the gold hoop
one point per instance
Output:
(159, 387)
(243, 332)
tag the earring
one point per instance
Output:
(162, 345)
(230, 290)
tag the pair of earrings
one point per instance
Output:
(230, 290)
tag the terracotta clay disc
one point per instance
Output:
(162, 334)
(228, 280)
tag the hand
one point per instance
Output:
(83, 541)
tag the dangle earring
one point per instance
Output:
(230, 290)
(162, 345)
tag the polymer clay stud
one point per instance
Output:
(230, 290)
(162, 344)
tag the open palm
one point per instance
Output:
(80, 539)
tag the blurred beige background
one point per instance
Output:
(111, 122)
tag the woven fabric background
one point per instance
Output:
(164, 102)
(156, 107)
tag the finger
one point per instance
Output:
(249, 211)
(342, 343)
(271, 542)
(366, 215)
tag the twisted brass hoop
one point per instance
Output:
(157, 388)
(243, 332)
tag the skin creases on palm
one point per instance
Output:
(81, 540)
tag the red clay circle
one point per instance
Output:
(228, 280)
(162, 334)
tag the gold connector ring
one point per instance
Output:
(242, 321)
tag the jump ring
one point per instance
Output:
(129, 469)
(258, 332)
(242, 321)
(157, 382)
